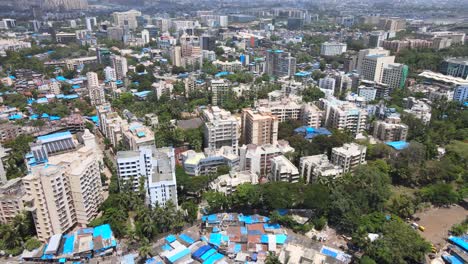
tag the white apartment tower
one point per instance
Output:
(157, 166)
(221, 128)
(349, 156)
(119, 64)
(95, 90)
(372, 68)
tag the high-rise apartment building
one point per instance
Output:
(349, 156)
(219, 88)
(64, 190)
(119, 64)
(390, 130)
(365, 52)
(394, 75)
(157, 166)
(372, 67)
(95, 90)
(221, 128)
(259, 128)
(110, 74)
(136, 135)
(126, 19)
(279, 63)
(344, 115)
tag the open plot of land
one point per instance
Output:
(438, 221)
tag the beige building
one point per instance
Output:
(373, 67)
(136, 135)
(120, 66)
(349, 156)
(110, 124)
(126, 19)
(66, 191)
(11, 203)
(365, 52)
(390, 130)
(228, 183)
(95, 90)
(259, 128)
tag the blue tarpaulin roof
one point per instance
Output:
(187, 239)
(459, 242)
(452, 260)
(213, 258)
(171, 238)
(166, 247)
(281, 238)
(61, 78)
(328, 252)
(68, 245)
(179, 255)
(398, 145)
(197, 254)
(208, 254)
(55, 135)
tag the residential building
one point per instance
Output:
(365, 52)
(392, 24)
(3, 153)
(110, 124)
(145, 35)
(13, 45)
(367, 92)
(95, 90)
(461, 93)
(220, 128)
(373, 67)
(418, 108)
(349, 156)
(318, 167)
(228, 66)
(199, 163)
(219, 88)
(327, 83)
(456, 67)
(136, 135)
(257, 159)
(283, 170)
(64, 190)
(110, 74)
(279, 63)
(163, 88)
(119, 64)
(153, 167)
(394, 75)
(228, 183)
(126, 19)
(11, 202)
(344, 115)
(332, 48)
(259, 128)
(390, 130)
(9, 131)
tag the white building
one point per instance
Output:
(390, 130)
(119, 64)
(327, 83)
(283, 170)
(394, 75)
(126, 19)
(365, 52)
(223, 21)
(145, 36)
(110, 74)
(162, 88)
(220, 129)
(95, 90)
(368, 93)
(219, 88)
(373, 67)
(318, 167)
(153, 167)
(344, 115)
(228, 183)
(257, 159)
(332, 49)
(136, 135)
(13, 45)
(349, 156)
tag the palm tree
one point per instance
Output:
(145, 249)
